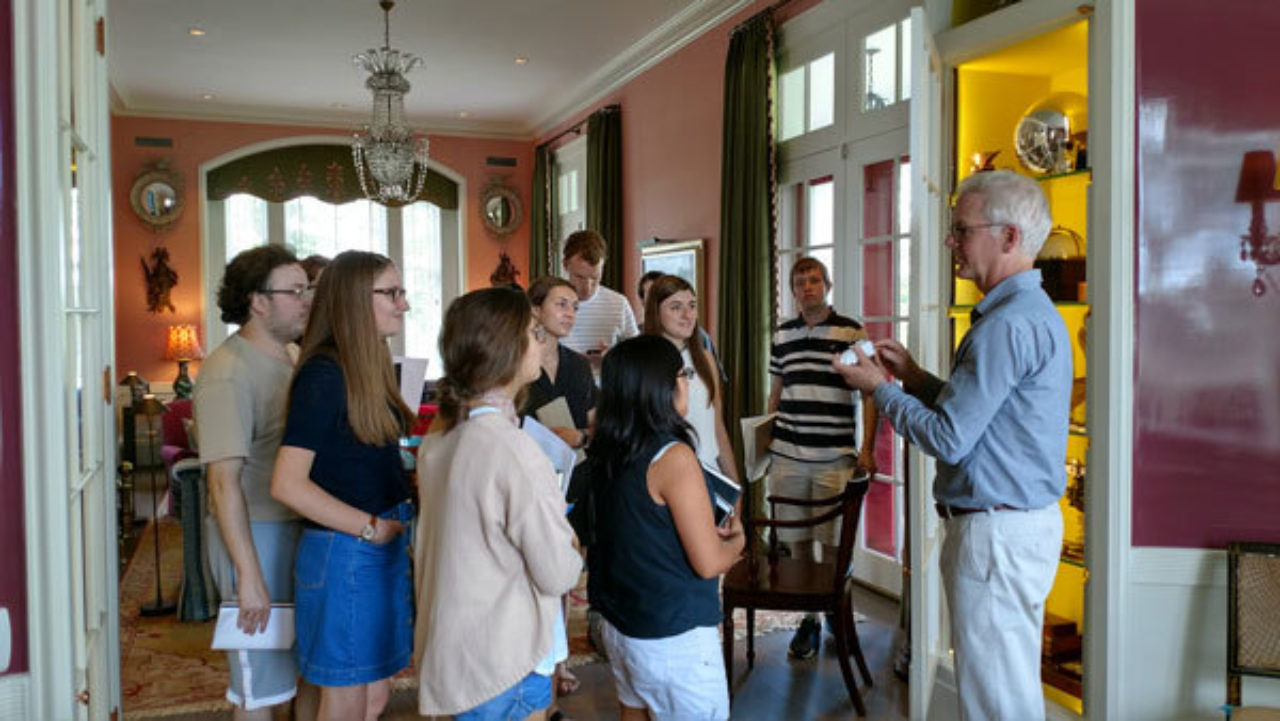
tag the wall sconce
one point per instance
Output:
(1258, 186)
(183, 346)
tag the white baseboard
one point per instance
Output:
(13, 697)
(1178, 567)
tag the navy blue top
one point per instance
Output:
(368, 477)
(998, 425)
(638, 575)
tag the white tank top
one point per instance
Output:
(702, 416)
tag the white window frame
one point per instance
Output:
(213, 233)
(570, 158)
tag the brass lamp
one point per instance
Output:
(183, 346)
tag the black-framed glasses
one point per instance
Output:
(299, 293)
(687, 373)
(960, 230)
(396, 294)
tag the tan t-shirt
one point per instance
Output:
(240, 399)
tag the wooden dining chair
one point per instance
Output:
(769, 581)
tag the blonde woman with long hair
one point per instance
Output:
(339, 467)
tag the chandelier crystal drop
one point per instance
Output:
(390, 158)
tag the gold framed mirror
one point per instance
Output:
(157, 196)
(500, 208)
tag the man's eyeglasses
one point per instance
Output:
(396, 294)
(299, 293)
(687, 373)
(960, 230)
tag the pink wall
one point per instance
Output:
(140, 334)
(13, 572)
(1207, 418)
(671, 144)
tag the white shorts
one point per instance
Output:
(259, 678)
(677, 678)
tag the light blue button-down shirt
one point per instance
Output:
(998, 427)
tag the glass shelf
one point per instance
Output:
(1068, 174)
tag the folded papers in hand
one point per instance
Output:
(277, 635)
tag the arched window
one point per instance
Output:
(307, 197)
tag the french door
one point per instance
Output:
(66, 319)
(877, 255)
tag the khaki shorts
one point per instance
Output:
(799, 479)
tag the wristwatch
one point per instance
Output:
(370, 529)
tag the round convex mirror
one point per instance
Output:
(156, 198)
(500, 207)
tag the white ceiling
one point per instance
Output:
(290, 60)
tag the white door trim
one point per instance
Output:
(38, 157)
(1111, 263)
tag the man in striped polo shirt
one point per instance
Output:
(813, 435)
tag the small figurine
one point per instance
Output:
(506, 273)
(160, 280)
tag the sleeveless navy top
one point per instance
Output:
(638, 576)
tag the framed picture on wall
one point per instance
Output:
(676, 257)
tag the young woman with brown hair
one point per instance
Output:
(671, 311)
(339, 467)
(494, 552)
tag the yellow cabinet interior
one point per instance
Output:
(993, 93)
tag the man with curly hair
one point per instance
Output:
(240, 400)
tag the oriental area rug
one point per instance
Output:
(167, 667)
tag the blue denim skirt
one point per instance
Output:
(353, 605)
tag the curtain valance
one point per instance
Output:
(325, 172)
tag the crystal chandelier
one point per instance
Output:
(390, 158)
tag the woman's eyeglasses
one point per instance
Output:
(396, 294)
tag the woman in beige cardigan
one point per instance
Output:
(494, 552)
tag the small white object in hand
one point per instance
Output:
(849, 358)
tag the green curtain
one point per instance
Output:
(604, 187)
(541, 248)
(325, 172)
(747, 222)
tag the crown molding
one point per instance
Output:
(682, 29)
(256, 116)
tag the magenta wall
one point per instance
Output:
(1207, 415)
(13, 578)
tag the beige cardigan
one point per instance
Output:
(493, 556)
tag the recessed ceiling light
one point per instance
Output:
(207, 96)
(522, 60)
(195, 31)
(464, 114)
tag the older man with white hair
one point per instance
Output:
(998, 427)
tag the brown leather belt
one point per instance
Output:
(945, 511)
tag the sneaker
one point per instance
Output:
(902, 664)
(807, 639)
